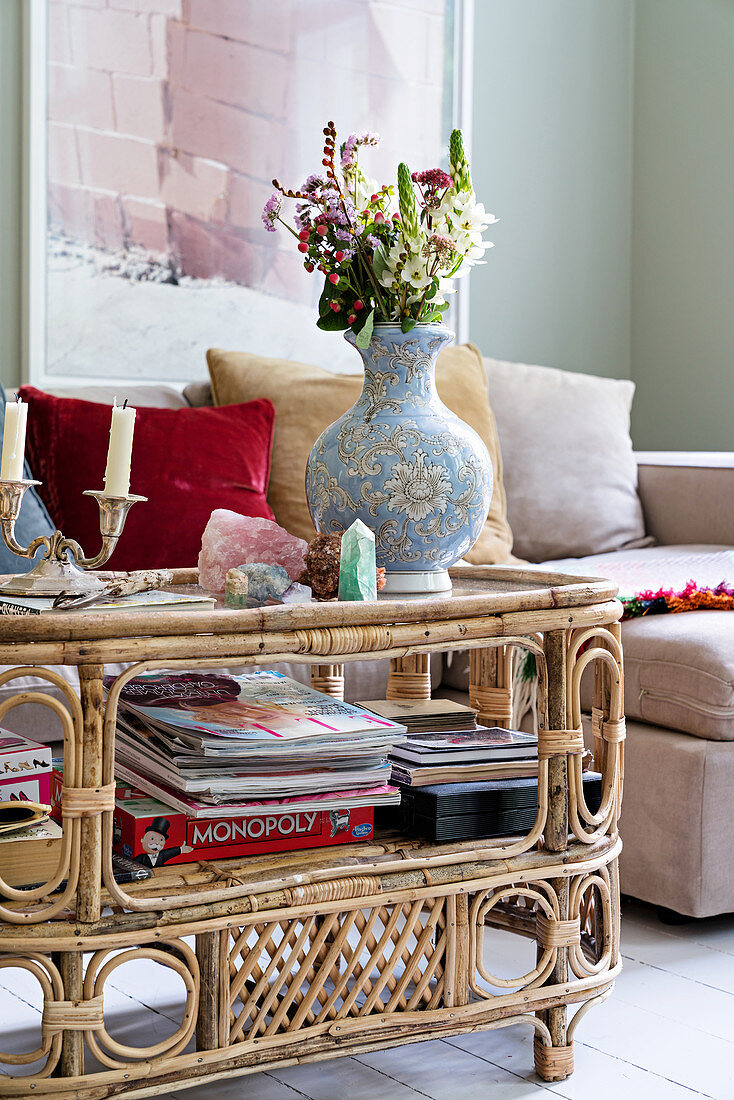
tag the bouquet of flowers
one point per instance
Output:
(383, 260)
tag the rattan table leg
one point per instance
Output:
(207, 1022)
(556, 1063)
(490, 685)
(461, 983)
(329, 679)
(90, 865)
(410, 677)
(71, 1062)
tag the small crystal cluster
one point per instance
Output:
(230, 539)
(331, 572)
(254, 561)
(322, 566)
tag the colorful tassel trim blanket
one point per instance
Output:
(691, 598)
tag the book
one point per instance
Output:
(30, 855)
(182, 768)
(484, 745)
(413, 775)
(150, 833)
(434, 715)
(141, 601)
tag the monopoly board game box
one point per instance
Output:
(25, 769)
(153, 834)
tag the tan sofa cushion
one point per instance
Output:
(679, 669)
(570, 473)
(679, 672)
(307, 399)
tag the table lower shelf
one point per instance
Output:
(359, 954)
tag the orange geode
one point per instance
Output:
(322, 566)
(322, 559)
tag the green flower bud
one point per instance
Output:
(459, 165)
(406, 198)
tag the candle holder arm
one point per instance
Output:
(60, 569)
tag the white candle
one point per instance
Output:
(11, 464)
(119, 455)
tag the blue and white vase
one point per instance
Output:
(404, 464)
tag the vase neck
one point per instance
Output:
(398, 363)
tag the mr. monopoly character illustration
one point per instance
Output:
(154, 853)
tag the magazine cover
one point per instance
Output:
(253, 706)
(485, 738)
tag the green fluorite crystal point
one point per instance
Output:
(357, 568)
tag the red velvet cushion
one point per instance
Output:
(186, 461)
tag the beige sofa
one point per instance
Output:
(677, 822)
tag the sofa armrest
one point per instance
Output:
(687, 496)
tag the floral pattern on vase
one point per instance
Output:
(402, 462)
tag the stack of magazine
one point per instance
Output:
(215, 746)
(445, 744)
(460, 780)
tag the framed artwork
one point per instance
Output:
(154, 129)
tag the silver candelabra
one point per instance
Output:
(63, 565)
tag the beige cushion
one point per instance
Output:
(199, 394)
(679, 669)
(679, 672)
(570, 473)
(307, 399)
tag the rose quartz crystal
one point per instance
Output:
(230, 540)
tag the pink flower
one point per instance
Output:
(271, 211)
(433, 184)
(443, 248)
(352, 144)
(435, 178)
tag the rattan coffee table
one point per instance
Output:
(311, 955)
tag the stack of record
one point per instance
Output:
(474, 811)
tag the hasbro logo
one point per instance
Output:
(362, 830)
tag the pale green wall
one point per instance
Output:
(552, 159)
(683, 225)
(10, 190)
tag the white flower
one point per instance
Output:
(414, 273)
(418, 488)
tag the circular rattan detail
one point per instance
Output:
(73, 1016)
(560, 743)
(496, 701)
(184, 963)
(557, 933)
(87, 801)
(553, 1063)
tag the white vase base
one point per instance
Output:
(427, 582)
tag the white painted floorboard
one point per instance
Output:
(666, 1033)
